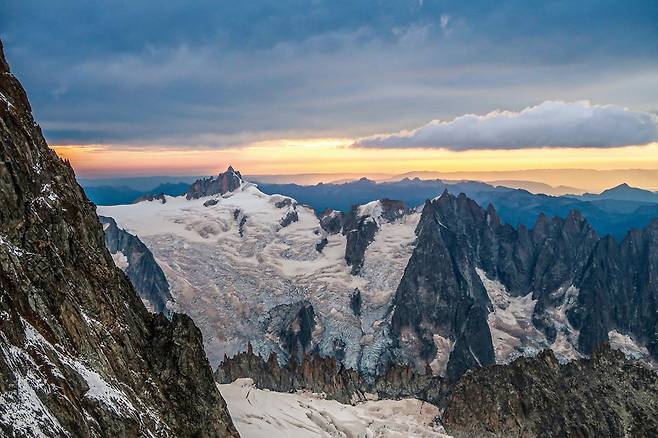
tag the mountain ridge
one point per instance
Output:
(79, 353)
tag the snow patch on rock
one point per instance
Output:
(120, 260)
(565, 343)
(444, 347)
(510, 322)
(628, 346)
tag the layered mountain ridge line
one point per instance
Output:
(614, 212)
(474, 291)
(79, 353)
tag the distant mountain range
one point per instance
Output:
(117, 195)
(623, 192)
(613, 212)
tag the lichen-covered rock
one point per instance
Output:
(79, 353)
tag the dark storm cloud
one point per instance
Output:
(219, 73)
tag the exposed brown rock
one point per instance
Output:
(79, 353)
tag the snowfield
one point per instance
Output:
(512, 331)
(231, 263)
(260, 413)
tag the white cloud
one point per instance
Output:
(444, 20)
(549, 124)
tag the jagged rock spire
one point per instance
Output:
(225, 182)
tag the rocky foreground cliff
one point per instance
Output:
(605, 396)
(79, 353)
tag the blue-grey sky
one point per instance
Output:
(223, 73)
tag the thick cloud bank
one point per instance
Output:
(549, 124)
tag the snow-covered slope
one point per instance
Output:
(234, 262)
(264, 414)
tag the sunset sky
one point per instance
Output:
(366, 87)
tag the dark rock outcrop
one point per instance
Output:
(210, 202)
(321, 244)
(143, 271)
(327, 375)
(356, 301)
(79, 353)
(312, 372)
(605, 396)
(224, 182)
(241, 218)
(358, 239)
(151, 197)
(286, 202)
(293, 325)
(290, 217)
(360, 228)
(392, 209)
(331, 221)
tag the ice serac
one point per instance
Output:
(606, 395)
(140, 266)
(79, 353)
(221, 184)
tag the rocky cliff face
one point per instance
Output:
(224, 182)
(135, 259)
(79, 353)
(580, 287)
(326, 375)
(605, 396)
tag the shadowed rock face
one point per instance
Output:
(358, 239)
(441, 293)
(326, 375)
(293, 325)
(331, 221)
(605, 396)
(79, 353)
(143, 271)
(224, 182)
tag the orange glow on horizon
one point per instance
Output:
(327, 155)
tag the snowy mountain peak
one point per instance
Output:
(225, 182)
